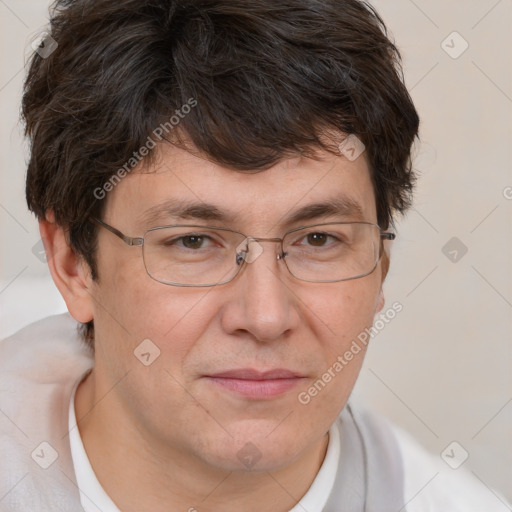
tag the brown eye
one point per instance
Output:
(317, 239)
(192, 241)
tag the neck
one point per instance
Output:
(139, 473)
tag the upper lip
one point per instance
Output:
(251, 374)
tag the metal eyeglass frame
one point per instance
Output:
(139, 242)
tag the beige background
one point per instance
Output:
(442, 367)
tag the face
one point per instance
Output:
(208, 395)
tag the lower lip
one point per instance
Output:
(256, 389)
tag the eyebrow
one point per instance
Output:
(177, 210)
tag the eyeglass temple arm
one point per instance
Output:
(388, 236)
(128, 240)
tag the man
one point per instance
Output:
(215, 183)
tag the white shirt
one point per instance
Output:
(94, 498)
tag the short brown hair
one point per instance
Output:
(269, 77)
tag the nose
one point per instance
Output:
(262, 303)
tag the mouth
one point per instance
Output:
(256, 385)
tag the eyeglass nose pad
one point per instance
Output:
(241, 256)
(244, 251)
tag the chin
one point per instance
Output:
(250, 459)
(254, 450)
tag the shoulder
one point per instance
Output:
(430, 484)
(39, 366)
(43, 344)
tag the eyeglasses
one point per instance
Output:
(195, 255)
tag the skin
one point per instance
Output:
(163, 437)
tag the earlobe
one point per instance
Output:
(384, 272)
(70, 273)
(385, 260)
(380, 301)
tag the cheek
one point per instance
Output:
(340, 315)
(132, 307)
(341, 311)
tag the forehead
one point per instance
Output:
(183, 186)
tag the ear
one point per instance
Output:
(384, 265)
(70, 273)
